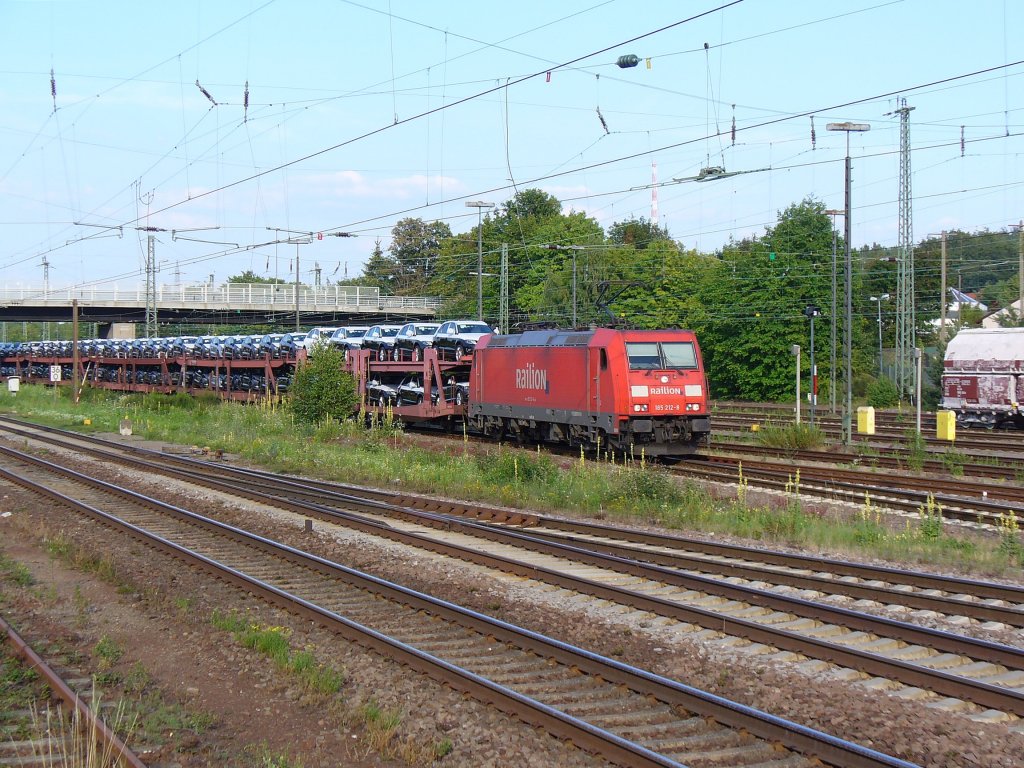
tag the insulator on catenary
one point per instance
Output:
(961, 141)
(627, 61)
(814, 138)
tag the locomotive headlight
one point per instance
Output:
(664, 379)
(640, 407)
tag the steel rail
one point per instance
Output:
(957, 686)
(71, 700)
(954, 489)
(814, 484)
(946, 605)
(260, 489)
(996, 441)
(891, 460)
(801, 739)
(397, 502)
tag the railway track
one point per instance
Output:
(682, 579)
(1002, 442)
(893, 460)
(978, 504)
(29, 738)
(625, 714)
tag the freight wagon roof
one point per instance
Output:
(986, 344)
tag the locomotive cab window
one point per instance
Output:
(679, 354)
(659, 355)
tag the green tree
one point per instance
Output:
(248, 276)
(638, 233)
(754, 305)
(415, 248)
(380, 270)
(540, 276)
(322, 389)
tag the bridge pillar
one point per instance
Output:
(116, 330)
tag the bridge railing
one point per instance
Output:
(234, 295)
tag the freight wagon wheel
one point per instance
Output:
(460, 352)
(417, 354)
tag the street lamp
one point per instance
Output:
(812, 311)
(848, 283)
(879, 300)
(479, 205)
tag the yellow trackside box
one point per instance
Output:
(866, 420)
(945, 425)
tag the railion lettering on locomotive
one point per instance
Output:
(531, 377)
(666, 390)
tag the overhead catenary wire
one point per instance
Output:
(506, 92)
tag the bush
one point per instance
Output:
(791, 437)
(322, 390)
(883, 393)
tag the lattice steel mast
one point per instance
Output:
(906, 320)
(151, 324)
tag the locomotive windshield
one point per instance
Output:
(657, 355)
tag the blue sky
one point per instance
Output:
(378, 110)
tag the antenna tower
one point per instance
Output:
(906, 322)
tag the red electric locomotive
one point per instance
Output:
(636, 392)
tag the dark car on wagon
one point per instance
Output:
(380, 340)
(412, 339)
(456, 338)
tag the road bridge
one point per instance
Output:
(234, 303)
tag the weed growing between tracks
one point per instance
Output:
(151, 715)
(316, 678)
(382, 455)
(380, 725)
